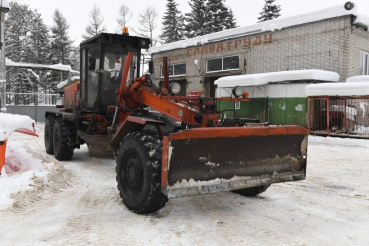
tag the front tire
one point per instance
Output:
(253, 191)
(48, 135)
(63, 140)
(139, 172)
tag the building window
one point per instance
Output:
(364, 63)
(223, 64)
(175, 70)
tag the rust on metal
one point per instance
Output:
(233, 132)
(132, 124)
(339, 116)
(199, 161)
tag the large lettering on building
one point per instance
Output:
(230, 45)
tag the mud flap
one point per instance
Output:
(209, 160)
(98, 146)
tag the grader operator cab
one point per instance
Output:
(165, 146)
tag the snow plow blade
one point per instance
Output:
(200, 161)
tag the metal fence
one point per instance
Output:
(33, 99)
(339, 116)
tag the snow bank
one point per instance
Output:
(276, 24)
(17, 160)
(339, 89)
(13, 184)
(266, 78)
(363, 78)
(29, 168)
(11, 122)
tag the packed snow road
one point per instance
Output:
(79, 205)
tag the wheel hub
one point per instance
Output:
(134, 174)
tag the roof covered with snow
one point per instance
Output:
(338, 89)
(64, 83)
(363, 78)
(55, 67)
(276, 24)
(4, 4)
(266, 78)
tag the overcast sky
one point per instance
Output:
(246, 11)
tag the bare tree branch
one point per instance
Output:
(95, 27)
(147, 20)
(125, 15)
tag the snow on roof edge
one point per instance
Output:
(5, 4)
(338, 89)
(266, 78)
(272, 25)
(58, 67)
(361, 78)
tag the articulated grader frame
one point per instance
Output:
(165, 146)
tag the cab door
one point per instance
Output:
(93, 76)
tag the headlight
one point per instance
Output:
(349, 5)
(237, 91)
(174, 88)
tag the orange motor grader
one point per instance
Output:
(165, 146)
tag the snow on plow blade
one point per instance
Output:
(200, 161)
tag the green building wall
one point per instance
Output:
(288, 107)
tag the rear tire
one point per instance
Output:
(63, 140)
(253, 191)
(48, 135)
(139, 172)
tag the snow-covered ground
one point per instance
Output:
(77, 203)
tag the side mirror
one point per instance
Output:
(151, 67)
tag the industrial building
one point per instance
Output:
(334, 39)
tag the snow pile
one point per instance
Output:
(11, 122)
(266, 78)
(338, 89)
(276, 24)
(17, 160)
(20, 171)
(29, 168)
(13, 184)
(363, 78)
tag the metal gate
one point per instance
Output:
(339, 116)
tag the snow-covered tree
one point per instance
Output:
(16, 35)
(270, 11)
(230, 21)
(39, 50)
(217, 15)
(173, 24)
(61, 43)
(147, 24)
(95, 26)
(196, 20)
(125, 15)
(27, 41)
